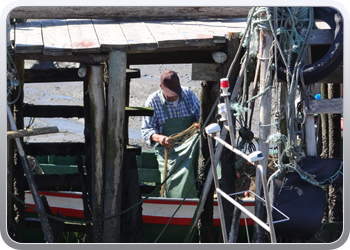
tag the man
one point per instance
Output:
(176, 108)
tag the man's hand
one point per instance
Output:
(163, 140)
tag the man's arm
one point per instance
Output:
(163, 140)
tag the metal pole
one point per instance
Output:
(268, 204)
(244, 210)
(229, 119)
(216, 182)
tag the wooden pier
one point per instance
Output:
(94, 35)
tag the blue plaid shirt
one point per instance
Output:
(155, 124)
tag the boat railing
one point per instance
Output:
(252, 159)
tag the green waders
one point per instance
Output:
(182, 159)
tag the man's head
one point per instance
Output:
(170, 84)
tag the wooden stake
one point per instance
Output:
(97, 109)
(114, 144)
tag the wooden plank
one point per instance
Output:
(46, 75)
(110, 35)
(30, 132)
(122, 12)
(321, 37)
(214, 27)
(28, 37)
(50, 111)
(65, 148)
(66, 111)
(56, 37)
(83, 36)
(165, 34)
(326, 106)
(193, 33)
(64, 75)
(234, 25)
(138, 35)
(55, 148)
(138, 111)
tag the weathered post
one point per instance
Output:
(265, 44)
(310, 136)
(97, 112)
(18, 171)
(10, 156)
(205, 225)
(114, 144)
(228, 158)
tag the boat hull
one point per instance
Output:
(156, 213)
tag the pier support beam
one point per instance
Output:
(98, 121)
(114, 144)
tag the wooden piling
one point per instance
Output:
(114, 143)
(17, 171)
(98, 121)
(265, 44)
(228, 158)
(205, 224)
(310, 136)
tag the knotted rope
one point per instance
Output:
(178, 138)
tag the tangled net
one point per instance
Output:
(178, 139)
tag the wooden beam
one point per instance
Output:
(30, 132)
(114, 145)
(168, 57)
(66, 111)
(64, 75)
(50, 111)
(55, 148)
(49, 75)
(98, 144)
(65, 148)
(326, 106)
(120, 12)
(160, 56)
(62, 182)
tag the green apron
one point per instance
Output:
(181, 167)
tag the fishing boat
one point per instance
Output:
(157, 212)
